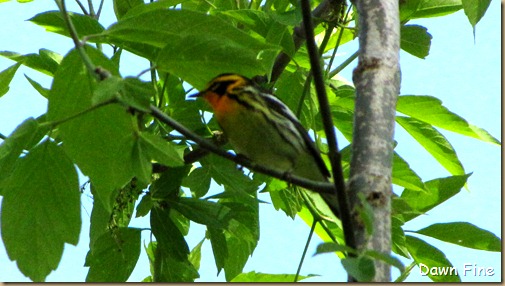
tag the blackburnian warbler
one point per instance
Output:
(262, 128)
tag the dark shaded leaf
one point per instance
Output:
(113, 255)
(171, 254)
(161, 150)
(361, 268)
(415, 40)
(203, 212)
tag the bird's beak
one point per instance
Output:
(200, 94)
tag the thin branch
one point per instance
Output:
(80, 113)
(343, 65)
(305, 249)
(73, 34)
(83, 9)
(91, 9)
(337, 45)
(99, 10)
(320, 12)
(334, 154)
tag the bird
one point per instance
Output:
(263, 129)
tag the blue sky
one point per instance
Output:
(464, 74)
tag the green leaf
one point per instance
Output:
(265, 25)
(434, 142)
(42, 90)
(161, 150)
(391, 260)
(475, 10)
(26, 134)
(431, 261)
(171, 255)
(203, 212)
(198, 182)
(436, 8)
(463, 234)
(267, 278)
(438, 191)
(121, 7)
(195, 256)
(6, 78)
(430, 110)
(218, 53)
(326, 247)
(137, 93)
(141, 163)
(415, 40)
(102, 135)
(188, 39)
(219, 247)
(399, 244)
(404, 176)
(107, 89)
(50, 216)
(407, 9)
(163, 4)
(361, 268)
(100, 218)
(233, 247)
(53, 21)
(145, 206)
(237, 185)
(287, 200)
(46, 61)
(169, 183)
(113, 255)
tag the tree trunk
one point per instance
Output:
(377, 81)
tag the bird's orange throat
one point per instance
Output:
(222, 105)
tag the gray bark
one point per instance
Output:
(377, 81)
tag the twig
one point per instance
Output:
(282, 60)
(73, 34)
(343, 65)
(305, 249)
(334, 154)
(83, 9)
(337, 45)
